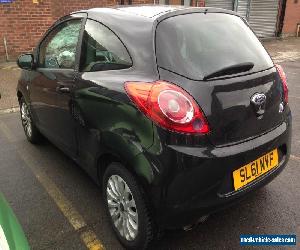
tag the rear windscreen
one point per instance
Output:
(197, 44)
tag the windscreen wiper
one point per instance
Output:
(230, 70)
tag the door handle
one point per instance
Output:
(62, 89)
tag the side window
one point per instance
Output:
(58, 50)
(102, 49)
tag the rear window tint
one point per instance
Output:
(198, 44)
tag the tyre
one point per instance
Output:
(126, 205)
(32, 133)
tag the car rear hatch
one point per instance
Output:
(221, 63)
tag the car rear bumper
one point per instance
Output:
(189, 212)
(190, 182)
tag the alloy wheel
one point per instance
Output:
(26, 119)
(122, 207)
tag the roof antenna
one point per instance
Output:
(205, 11)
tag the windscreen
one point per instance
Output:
(196, 45)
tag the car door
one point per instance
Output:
(53, 83)
(104, 64)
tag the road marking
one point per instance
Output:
(10, 68)
(91, 241)
(73, 216)
(11, 110)
(295, 157)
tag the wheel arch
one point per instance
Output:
(19, 95)
(21, 92)
(137, 166)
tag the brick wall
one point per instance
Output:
(23, 22)
(291, 18)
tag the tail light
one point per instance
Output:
(284, 82)
(168, 105)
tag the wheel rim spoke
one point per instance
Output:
(112, 203)
(118, 224)
(132, 225)
(111, 194)
(125, 228)
(134, 218)
(131, 203)
(114, 214)
(120, 186)
(113, 189)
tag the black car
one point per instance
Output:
(177, 112)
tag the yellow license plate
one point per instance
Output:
(254, 169)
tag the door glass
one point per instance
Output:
(58, 50)
(102, 49)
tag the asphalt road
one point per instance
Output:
(60, 207)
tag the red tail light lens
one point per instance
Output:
(284, 82)
(168, 105)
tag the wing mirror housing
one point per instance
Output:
(26, 61)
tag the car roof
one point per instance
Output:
(148, 11)
(151, 12)
(122, 17)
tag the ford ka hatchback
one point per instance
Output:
(176, 112)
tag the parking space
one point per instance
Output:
(59, 206)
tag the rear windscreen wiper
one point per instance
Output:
(230, 70)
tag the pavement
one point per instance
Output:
(59, 207)
(284, 50)
(9, 75)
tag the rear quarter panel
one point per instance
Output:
(111, 123)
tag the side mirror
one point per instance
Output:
(26, 61)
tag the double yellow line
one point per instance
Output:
(69, 211)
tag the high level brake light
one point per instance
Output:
(168, 105)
